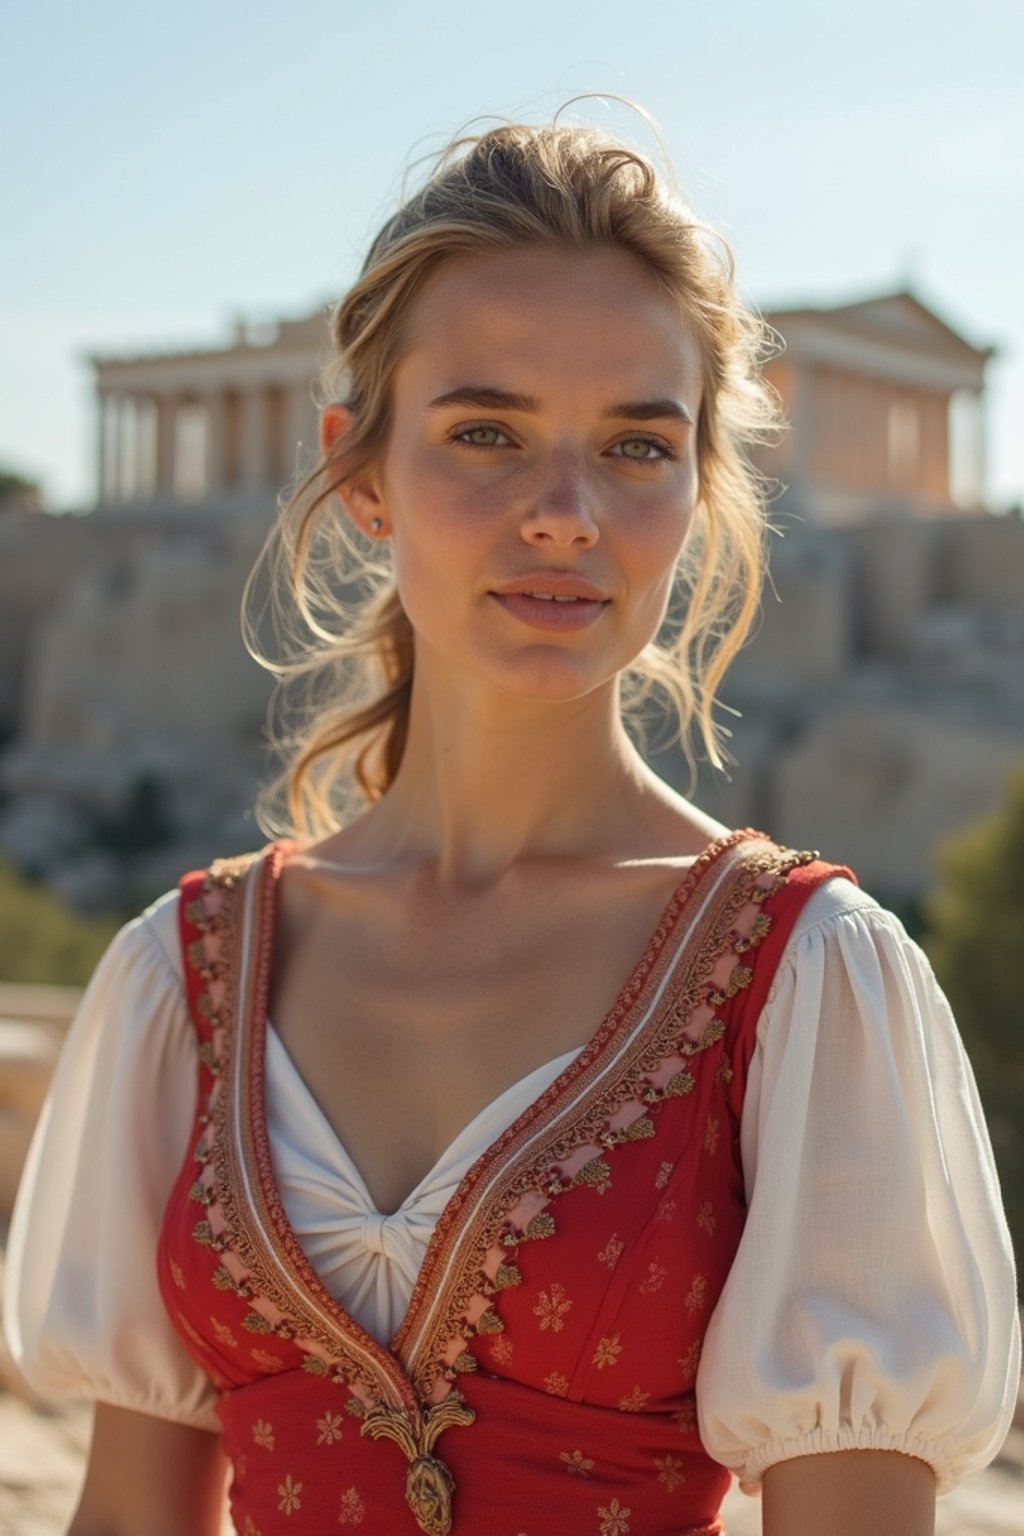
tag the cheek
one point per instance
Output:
(432, 547)
(434, 506)
(657, 539)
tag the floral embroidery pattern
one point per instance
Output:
(578, 1464)
(670, 1471)
(656, 1276)
(289, 1492)
(685, 1418)
(263, 1434)
(711, 1135)
(250, 1528)
(614, 1519)
(178, 1277)
(268, 1361)
(695, 1295)
(502, 1349)
(611, 1253)
(556, 1384)
(688, 1363)
(666, 1211)
(353, 1510)
(633, 1401)
(607, 1351)
(663, 1175)
(329, 1428)
(706, 1218)
(552, 1307)
(223, 1333)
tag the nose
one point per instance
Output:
(562, 510)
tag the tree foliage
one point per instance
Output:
(975, 939)
(41, 940)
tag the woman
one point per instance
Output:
(594, 1151)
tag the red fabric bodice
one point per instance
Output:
(542, 1381)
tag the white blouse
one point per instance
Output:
(871, 1302)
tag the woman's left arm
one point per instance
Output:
(847, 1493)
(864, 1354)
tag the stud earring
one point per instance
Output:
(377, 525)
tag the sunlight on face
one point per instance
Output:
(544, 421)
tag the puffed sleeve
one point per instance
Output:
(872, 1300)
(82, 1308)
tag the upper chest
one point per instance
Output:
(408, 1012)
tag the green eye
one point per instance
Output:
(641, 448)
(479, 437)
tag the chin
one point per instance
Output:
(548, 680)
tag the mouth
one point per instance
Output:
(551, 611)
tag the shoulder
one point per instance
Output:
(143, 957)
(839, 910)
(844, 951)
(155, 932)
(835, 899)
(149, 945)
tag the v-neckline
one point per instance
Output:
(249, 1119)
(330, 1137)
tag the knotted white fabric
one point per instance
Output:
(366, 1260)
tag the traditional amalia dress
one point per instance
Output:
(755, 1217)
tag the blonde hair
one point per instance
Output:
(345, 680)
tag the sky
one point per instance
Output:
(168, 170)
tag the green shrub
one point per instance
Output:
(41, 940)
(975, 939)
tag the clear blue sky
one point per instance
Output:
(168, 167)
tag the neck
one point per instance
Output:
(487, 782)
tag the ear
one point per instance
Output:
(360, 498)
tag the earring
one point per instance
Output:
(377, 525)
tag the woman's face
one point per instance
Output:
(544, 421)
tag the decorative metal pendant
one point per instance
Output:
(429, 1485)
(428, 1492)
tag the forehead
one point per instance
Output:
(597, 320)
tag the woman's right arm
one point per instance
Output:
(150, 1477)
(83, 1311)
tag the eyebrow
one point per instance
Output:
(487, 398)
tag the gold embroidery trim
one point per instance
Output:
(382, 1398)
(229, 1228)
(761, 871)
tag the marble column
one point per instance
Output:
(218, 446)
(125, 456)
(112, 485)
(145, 448)
(980, 453)
(102, 455)
(253, 405)
(166, 411)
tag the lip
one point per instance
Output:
(553, 584)
(545, 613)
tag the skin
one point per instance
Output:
(516, 760)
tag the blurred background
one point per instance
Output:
(187, 191)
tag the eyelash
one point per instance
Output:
(461, 434)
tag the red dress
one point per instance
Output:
(542, 1381)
